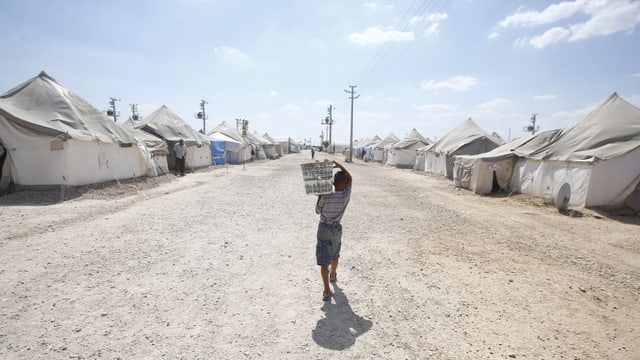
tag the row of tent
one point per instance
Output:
(597, 160)
(51, 136)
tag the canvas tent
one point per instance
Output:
(288, 145)
(491, 171)
(466, 139)
(367, 147)
(224, 148)
(52, 136)
(277, 149)
(155, 150)
(403, 153)
(257, 145)
(597, 158)
(170, 127)
(380, 148)
(269, 147)
(237, 151)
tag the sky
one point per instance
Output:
(424, 65)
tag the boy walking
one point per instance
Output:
(331, 208)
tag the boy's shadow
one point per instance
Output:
(340, 327)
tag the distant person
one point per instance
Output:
(180, 154)
(313, 153)
(331, 208)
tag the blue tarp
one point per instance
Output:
(217, 153)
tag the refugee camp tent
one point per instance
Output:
(288, 145)
(276, 145)
(170, 127)
(367, 147)
(156, 152)
(52, 136)
(234, 155)
(597, 158)
(466, 139)
(218, 148)
(403, 153)
(294, 146)
(229, 152)
(381, 147)
(257, 145)
(491, 171)
(268, 145)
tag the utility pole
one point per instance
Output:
(244, 125)
(352, 97)
(112, 111)
(134, 112)
(328, 121)
(532, 128)
(202, 115)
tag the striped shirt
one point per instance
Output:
(331, 207)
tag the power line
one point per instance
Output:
(388, 54)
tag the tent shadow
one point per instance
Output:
(624, 215)
(340, 327)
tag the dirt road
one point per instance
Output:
(220, 264)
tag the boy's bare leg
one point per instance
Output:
(334, 266)
(324, 272)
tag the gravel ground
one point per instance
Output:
(220, 264)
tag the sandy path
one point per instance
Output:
(220, 265)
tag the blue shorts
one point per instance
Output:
(329, 242)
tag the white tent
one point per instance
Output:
(466, 139)
(367, 147)
(232, 148)
(52, 136)
(287, 145)
(235, 156)
(276, 145)
(170, 127)
(491, 171)
(257, 145)
(155, 151)
(269, 146)
(403, 153)
(380, 148)
(597, 158)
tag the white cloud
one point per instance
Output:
(636, 75)
(493, 35)
(323, 103)
(633, 99)
(437, 17)
(370, 5)
(291, 108)
(432, 29)
(437, 108)
(551, 36)
(274, 93)
(230, 55)
(492, 105)
(456, 83)
(375, 6)
(604, 17)
(431, 21)
(378, 35)
(545, 97)
(607, 18)
(368, 115)
(551, 14)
